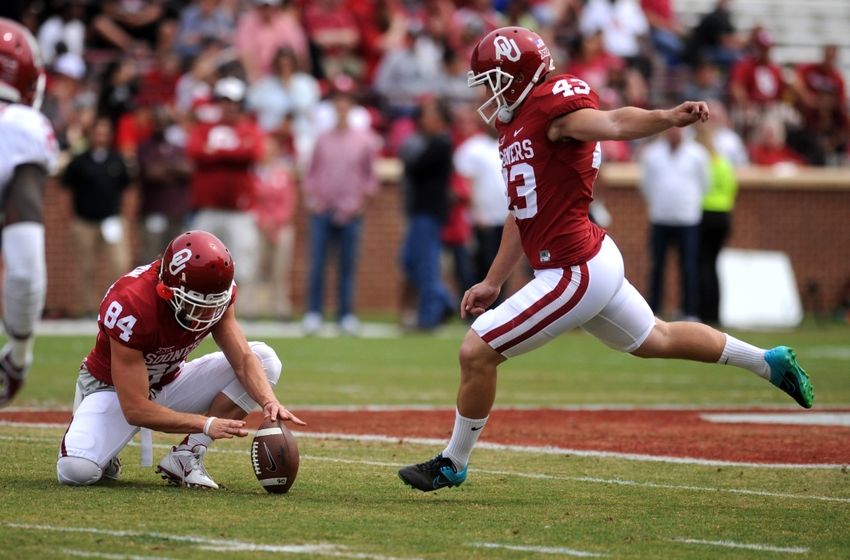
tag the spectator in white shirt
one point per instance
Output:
(477, 159)
(622, 23)
(66, 27)
(675, 175)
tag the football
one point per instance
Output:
(274, 457)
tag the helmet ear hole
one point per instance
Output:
(164, 291)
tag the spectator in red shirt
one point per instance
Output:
(756, 84)
(334, 30)
(822, 101)
(225, 152)
(769, 146)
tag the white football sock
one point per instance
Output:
(744, 355)
(464, 437)
(198, 439)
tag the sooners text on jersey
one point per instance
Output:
(550, 185)
(133, 314)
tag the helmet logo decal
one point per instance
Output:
(179, 260)
(507, 48)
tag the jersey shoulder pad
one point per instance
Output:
(564, 94)
(128, 311)
(30, 136)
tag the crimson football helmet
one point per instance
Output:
(196, 278)
(510, 61)
(22, 75)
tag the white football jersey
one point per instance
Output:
(26, 136)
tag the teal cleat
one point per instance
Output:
(787, 374)
(431, 475)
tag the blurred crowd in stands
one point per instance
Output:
(149, 84)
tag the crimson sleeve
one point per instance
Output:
(564, 94)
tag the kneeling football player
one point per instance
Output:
(136, 376)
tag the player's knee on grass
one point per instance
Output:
(269, 360)
(76, 471)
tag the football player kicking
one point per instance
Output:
(29, 151)
(550, 128)
(136, 374)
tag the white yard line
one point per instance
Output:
(596, 407)
(559, 550)
(747, 546)
(532, 475)
(92, 554)
(532, 449)
(841, 419)
(216, 545)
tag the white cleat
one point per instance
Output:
(183, 466)
(112, 470)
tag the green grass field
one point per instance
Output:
(348, 502)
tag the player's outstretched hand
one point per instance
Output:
(273, 410)
(689, 112)
(477, 299)
(226, 428)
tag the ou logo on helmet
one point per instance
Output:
(179, 260)
(506, 48)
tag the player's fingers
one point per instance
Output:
(294, 419)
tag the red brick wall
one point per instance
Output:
(811, 225)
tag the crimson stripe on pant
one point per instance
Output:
(584, 280)
(529, 312)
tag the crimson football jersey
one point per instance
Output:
(133, 314)
(550, 184)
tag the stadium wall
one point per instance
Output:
(805, 214)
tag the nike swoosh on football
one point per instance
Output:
(517, 131)
(272, 465)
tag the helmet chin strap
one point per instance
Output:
(505, 114)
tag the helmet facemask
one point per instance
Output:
(498, 82)
(197, 312)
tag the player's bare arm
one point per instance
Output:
(478, 298)
(627, 123)
(130, 377)
(230, 339)
(24, 200)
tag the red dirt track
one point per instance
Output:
(669, 433)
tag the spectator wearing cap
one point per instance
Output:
(224, 152)
(262, 31)
(287, 93)
(339, 182)
(97, 179)
(201, 21)
(821, 99)
(756, 84)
